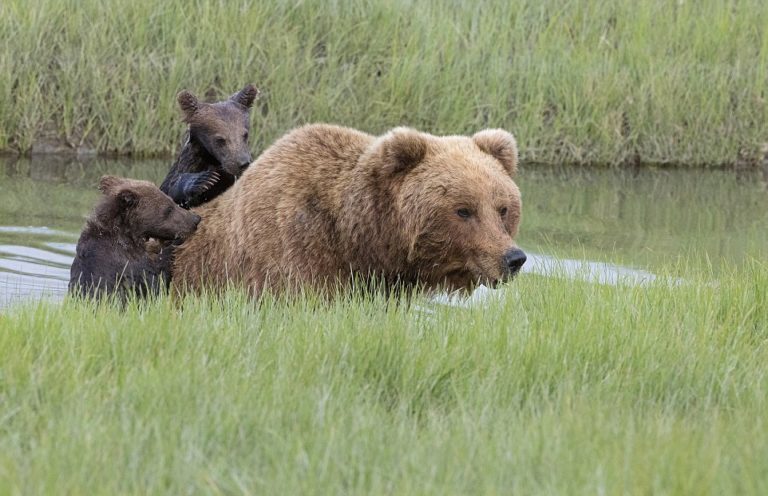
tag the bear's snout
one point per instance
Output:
(243, 162)
(513, 260)
(238, 164)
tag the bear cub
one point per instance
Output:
(115, 254)
(215, 150)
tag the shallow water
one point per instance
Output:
(602, 225)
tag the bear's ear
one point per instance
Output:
(127, 198)
(188, 103)
(110, 184)
(499, 144)
(246, 96)
(402, 149)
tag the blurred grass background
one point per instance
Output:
(586, 81)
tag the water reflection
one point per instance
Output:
(602, 225)
(585, 270)
(27, 271)
(647, 219)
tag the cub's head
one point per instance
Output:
(143, 210)
(457, 202)
(222, 128)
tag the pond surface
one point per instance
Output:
(607, 225)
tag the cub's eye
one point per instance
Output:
(245, 136)
(503, 211)
(168, 211)
(221, 142)
(464, 213)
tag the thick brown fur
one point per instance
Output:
(215, 150)
(115, 254)
(326, 204)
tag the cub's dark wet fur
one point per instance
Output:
(115, 254)
(215, 150)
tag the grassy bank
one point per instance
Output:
(561, 387)
(586, 82)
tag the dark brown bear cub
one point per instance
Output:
(215, 150)
(112, 252)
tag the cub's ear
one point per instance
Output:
(246, 96)
(402, 149)
(501, 145)
(188, 103)
(110, 184)
(128, 198)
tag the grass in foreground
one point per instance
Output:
(559, 387)
(586, 81)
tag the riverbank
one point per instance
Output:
(587, 83)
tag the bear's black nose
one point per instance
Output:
(244, 160)
(514, 259)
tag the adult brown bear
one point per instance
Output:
(327, 204)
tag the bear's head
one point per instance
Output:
(221, 128)
(458, 206)
(142, 210)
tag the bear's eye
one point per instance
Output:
(464, 213)
(245, 136)
(168, 211)
(221, 142)
(503, 211)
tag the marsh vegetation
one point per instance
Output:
(581, 82)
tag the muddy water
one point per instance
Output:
(607, 225)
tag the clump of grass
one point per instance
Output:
(586, 82)
(559, 386)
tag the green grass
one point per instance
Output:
(560, 387)
(586, 81)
